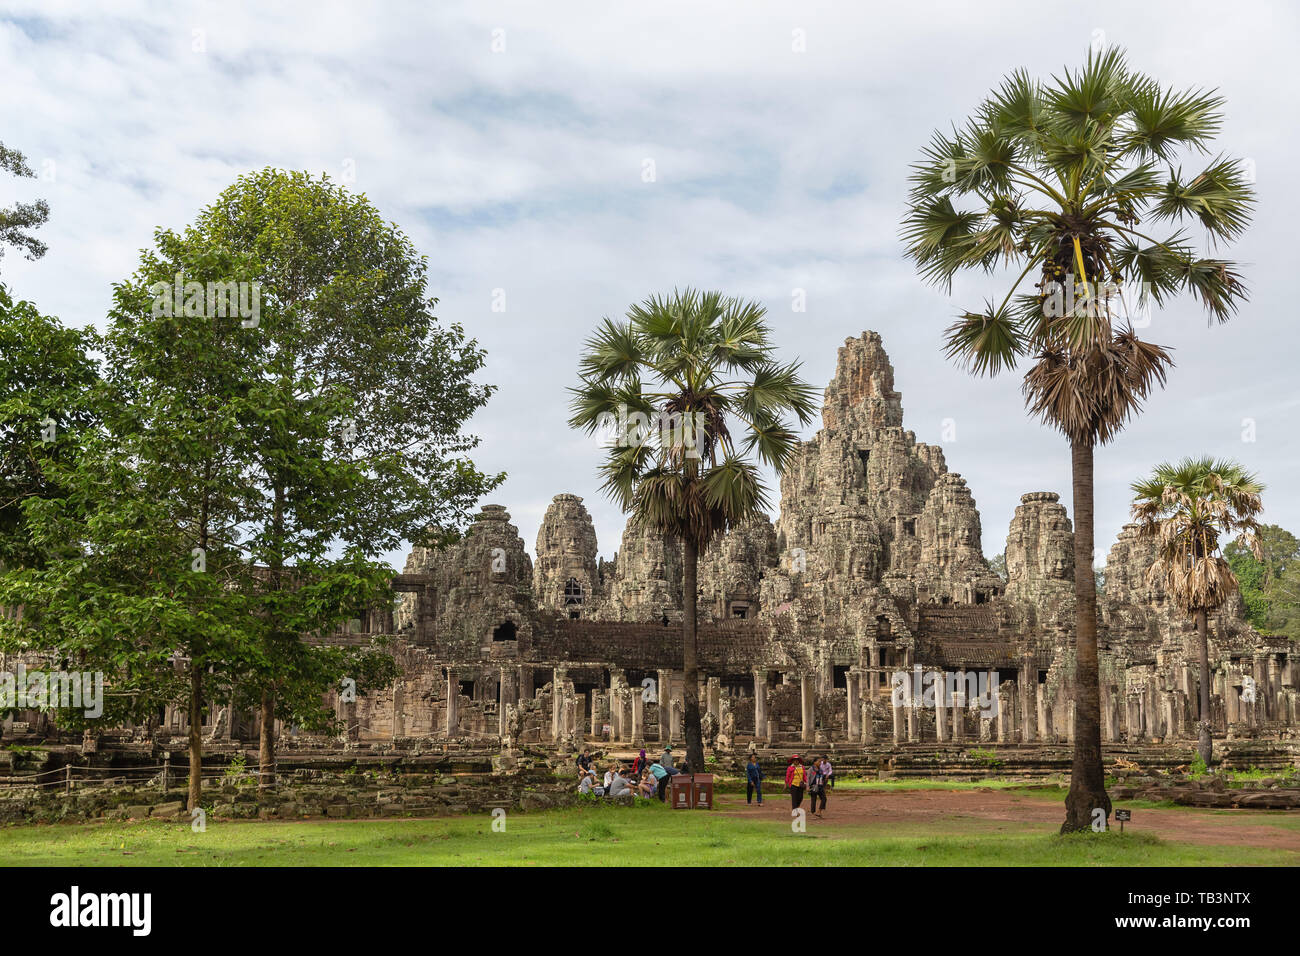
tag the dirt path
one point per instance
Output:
(996, 810)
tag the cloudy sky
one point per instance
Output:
(512, 141)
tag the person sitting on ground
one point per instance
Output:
(618, 785)
(648, 785)
(584, 761)
(609, 776)
(641, 763)
(586, 784)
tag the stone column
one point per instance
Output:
(1070, 710)
(1004, 716)
(452, 718)
(1260, 709)
(638, 717)
(808, 701)
(760, 704)
(558, 676)
(662, 703)
(1044, 731)
(1028, 707)
(854, 707)
(1274, 687)
(959, 713)
(913, 722)
(874, 650)
(713, 693)
(526, 689)
(509, 695)
(898, 723)
(615, 731)
(941, 709)
(868, 732)
(399, 721)
(1133, 718)
(595, 714)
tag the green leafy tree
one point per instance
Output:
(146, 576)
(17, 220)
(47, 380)
(998, 565)
(1062, 183)
(684, 390)
(355, 400)
(1270, 584)
(1188, 508)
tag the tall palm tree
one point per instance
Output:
(1064, 181)
(1187, 508)
(684, 390)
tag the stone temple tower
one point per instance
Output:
(566, 576)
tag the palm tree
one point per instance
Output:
(1064, 180)
(685, 389)
(1187, 508)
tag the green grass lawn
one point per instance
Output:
(600, 835)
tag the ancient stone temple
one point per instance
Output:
(865, 619)
(865, 615)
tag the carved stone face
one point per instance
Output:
(1058, 567)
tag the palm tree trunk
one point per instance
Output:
(196, 735)
(690, 666)
(1087, 778)
(1205, 744)
(266, 741)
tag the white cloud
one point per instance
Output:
(775, 170)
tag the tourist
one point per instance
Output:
(795, 776)
(584, 761)
(609, 776)
(753, 781)
(666, 761)
(816, 787)
(646, 788)
(618, 785)
(829, 773)
(587, 785)
(662, 776)
(640, 764)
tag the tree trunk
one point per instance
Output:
(690, 666)
(196, 735)
(266, 740)
(1205, 744)
(1087, 778)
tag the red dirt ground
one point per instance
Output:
(1001, 810)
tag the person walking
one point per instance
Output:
(753, 781)
(816, 787)
(795, 778)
